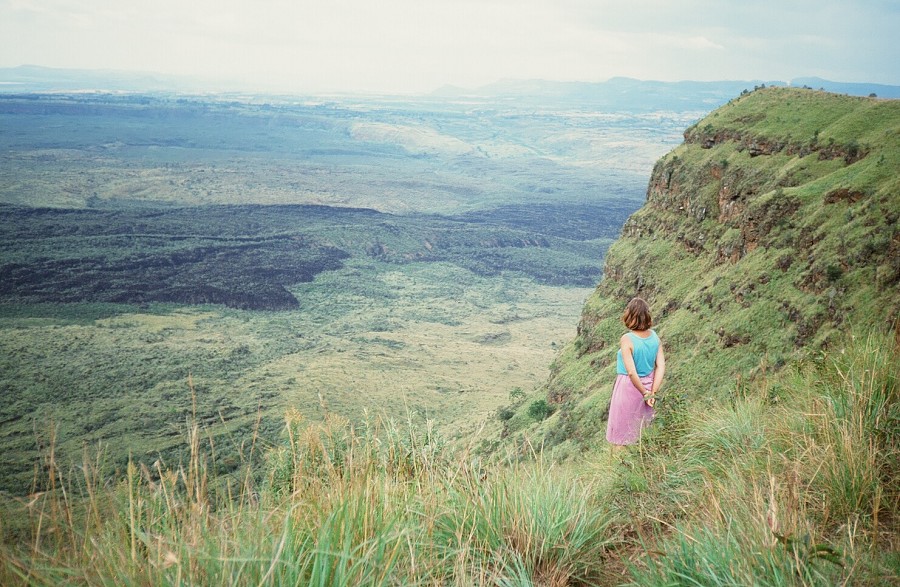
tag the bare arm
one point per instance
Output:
(659, 370)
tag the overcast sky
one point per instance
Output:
(419, 45)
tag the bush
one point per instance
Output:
(504, 413)
(833, 272)
(539, 410)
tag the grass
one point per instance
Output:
(792, 491)
(788, 492)
(383, 505)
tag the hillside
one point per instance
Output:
(770, 231)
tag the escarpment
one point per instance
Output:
(768, 233)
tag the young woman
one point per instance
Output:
(640, 367)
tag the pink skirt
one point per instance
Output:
(628, 412)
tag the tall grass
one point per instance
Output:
(858, 436)
(381, 504)
(801, 491)
(533, 520)
(771, 489)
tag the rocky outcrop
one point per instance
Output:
(756, 145)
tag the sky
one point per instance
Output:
(416, 46)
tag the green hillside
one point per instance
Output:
(767, 234)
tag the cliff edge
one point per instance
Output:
(770, 232)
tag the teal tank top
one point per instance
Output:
(645, 350)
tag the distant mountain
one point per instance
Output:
(618, 93)
(622, 93)
(34, 78)
(853, 89)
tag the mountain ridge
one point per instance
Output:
(694, 93)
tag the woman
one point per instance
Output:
(640, 367)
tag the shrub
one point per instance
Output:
(504, 413)
(539, 410)
(833, 272)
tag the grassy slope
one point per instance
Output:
(769, 249)
(768, 232)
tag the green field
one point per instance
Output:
(433, 340)
(107, 313)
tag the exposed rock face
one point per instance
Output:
(769, 232)
(756, 146)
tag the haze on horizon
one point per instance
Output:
(415, 46)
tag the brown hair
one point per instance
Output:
(637, 315)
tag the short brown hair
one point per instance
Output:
(637, 315)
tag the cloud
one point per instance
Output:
(699, 42)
